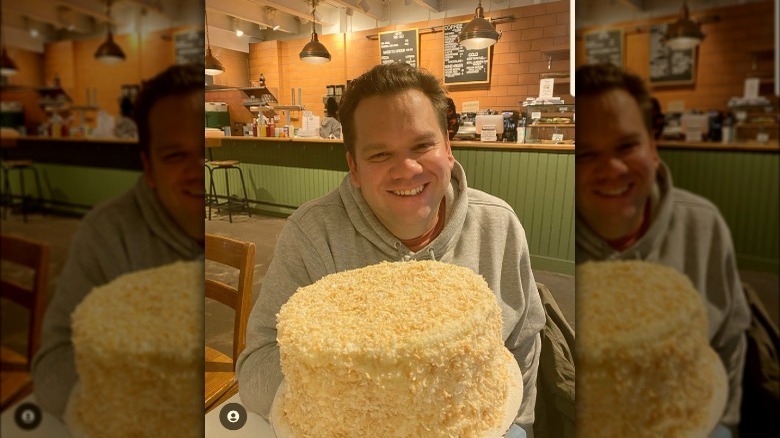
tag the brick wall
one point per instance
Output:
(74, 64)
(515, 71)
(724, 58)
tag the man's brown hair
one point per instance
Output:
(595, 79)
(388, 80)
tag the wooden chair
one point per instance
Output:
(15, 377)
(221, 382)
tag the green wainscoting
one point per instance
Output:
(74, 189)
(744, 185)
(539, 185)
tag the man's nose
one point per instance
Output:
(405, 167)
(610, 166)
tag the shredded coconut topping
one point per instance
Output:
(139, 354)
(642, 351)
(394, 349)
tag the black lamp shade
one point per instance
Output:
(478, 33)
(213, 66)
(109, 52)
(7, 65)
(314, 52)
(684, 33)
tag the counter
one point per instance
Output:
(742, 180)
(218, 141)
(716, 146)
(75, 173)
(537, 181)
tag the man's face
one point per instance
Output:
(402, 161)
(174, 165)
(616, 163)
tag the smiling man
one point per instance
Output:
(157, 222)
(405, 198)
(627, 208)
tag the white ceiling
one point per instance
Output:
(29, 24)
(333, 16)
(601, 12)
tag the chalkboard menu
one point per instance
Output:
(462, 66)
(604, 46)
(667, 66)
(398, 46)
(189, 46)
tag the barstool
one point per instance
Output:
(228, 165)
(21, 166)
(211, 197)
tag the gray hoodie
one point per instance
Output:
(339, 232)
(129, 233)
(688, 233)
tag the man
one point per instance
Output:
(158, 221)
(627, 208)
(405, 198)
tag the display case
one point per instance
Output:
(756, 123)
(549, 123)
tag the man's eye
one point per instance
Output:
(175, 156)
(424, 147)
(627, 147)
(378, 156)
(584, 156)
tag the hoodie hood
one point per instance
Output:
(369, 226)
(591, 246)
(160, 222)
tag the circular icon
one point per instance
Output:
(232, 416)
(28, 416)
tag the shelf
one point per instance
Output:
(557, 52)
(289, 107)
(552, 125)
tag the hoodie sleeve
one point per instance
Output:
(258, 367)
(524, 342)
(725, 294)
(54, 366)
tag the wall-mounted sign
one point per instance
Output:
(188, 46)
(399, 46)
(667, 66)
(462, 66)
(604, 46)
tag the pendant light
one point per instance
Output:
(314, 52)
(7, 65)
(478, 33)
(213, 66)
(684, 33)
(109, 52)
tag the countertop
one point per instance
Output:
(715, 146)
(217, 142)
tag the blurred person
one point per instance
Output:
(405, 198)
(628, 208)
(157, 222)
(452, 119)
(126, 126)
(331, 126)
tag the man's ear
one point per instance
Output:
(148, 175)
(353, 171)
(654, 152)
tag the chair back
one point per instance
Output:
(34, 255)
(239, 255)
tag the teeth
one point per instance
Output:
(614, 192)
(410, 192)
